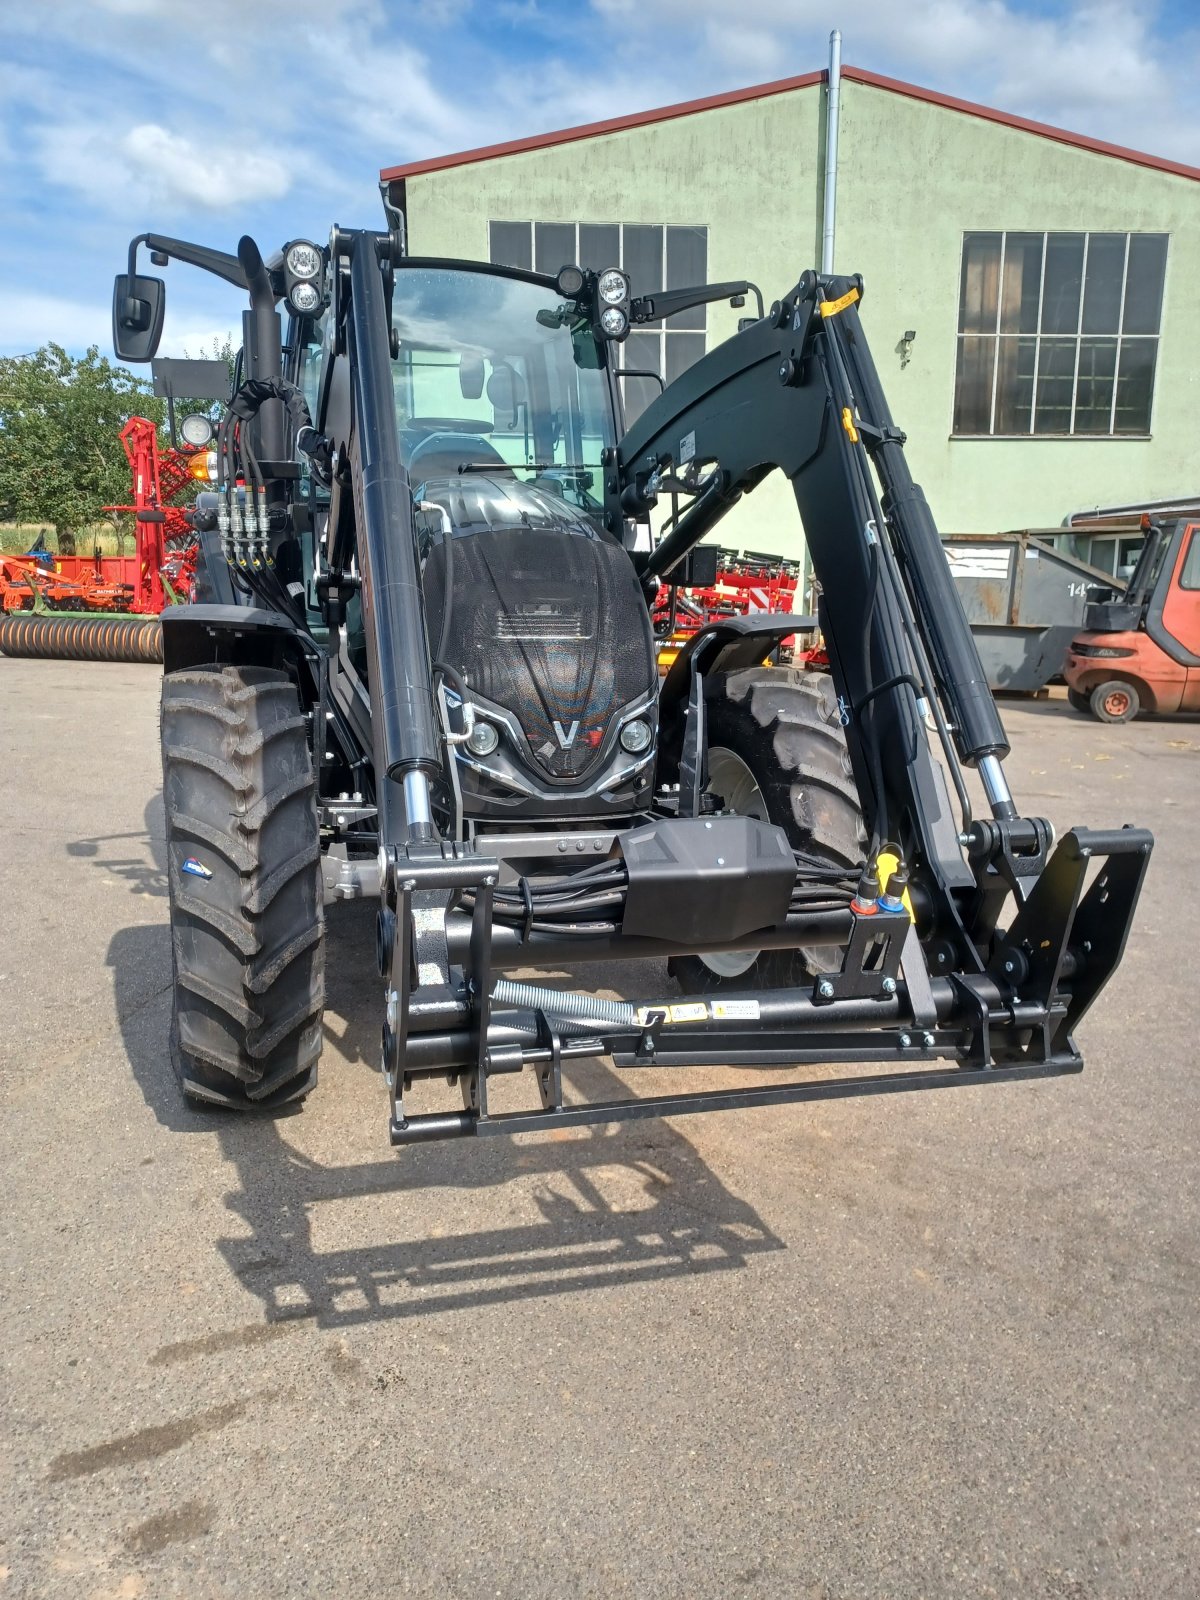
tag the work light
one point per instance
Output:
(613, 286)
(304, 298)
(303, 260)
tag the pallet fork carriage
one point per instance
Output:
(433, 680)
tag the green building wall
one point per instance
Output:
(913, 177)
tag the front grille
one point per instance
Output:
(546, 625)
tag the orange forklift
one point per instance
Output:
(1140, 649)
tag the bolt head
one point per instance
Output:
(904, 1041)
(825, 989)
(927, 1041)
(889, 986)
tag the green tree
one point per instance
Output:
(61, 460)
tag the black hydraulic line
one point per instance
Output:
(977, 725)
(404, 726)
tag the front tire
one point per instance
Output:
(776, 744)
(247, 907)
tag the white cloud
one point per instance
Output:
(163, 169)
(1097, 66)
(29, 320)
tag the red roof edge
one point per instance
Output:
(593, 130)
(1044, 130)
(761, 91)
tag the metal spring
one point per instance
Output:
(82, 638)
(577, 1008)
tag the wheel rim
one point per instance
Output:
(731, 778)
(1116, 703)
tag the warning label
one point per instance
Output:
(735, 1010)
(699, 1011)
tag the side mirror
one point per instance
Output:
(139, 305)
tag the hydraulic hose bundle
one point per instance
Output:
(590, 903)
(245, 524)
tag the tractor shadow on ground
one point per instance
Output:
(604, 1206)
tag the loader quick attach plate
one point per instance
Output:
(693, 877)
(1004, 1025)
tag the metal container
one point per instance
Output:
(1024, 601)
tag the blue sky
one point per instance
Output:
(273, 116)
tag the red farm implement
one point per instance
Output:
(103, 607)
(743, 583)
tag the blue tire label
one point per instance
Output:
(196, 868)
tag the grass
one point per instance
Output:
(16, 538)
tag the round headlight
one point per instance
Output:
(303, 260)
(196, 430)
(569, 281)
(483, 739)
(613, 286)
(304, 298)
(636, 736)
(614, 321)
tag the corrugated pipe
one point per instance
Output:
(80, 638)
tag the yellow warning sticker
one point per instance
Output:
(698, 1011)
(830, 308)
(691, 1011)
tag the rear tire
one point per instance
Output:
(1114, 701)
(782, 727)
(1079, 702)
(247, 907)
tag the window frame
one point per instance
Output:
(997, 336)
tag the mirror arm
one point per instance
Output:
(217, 262)
(666, 302)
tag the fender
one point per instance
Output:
(197, 636)
(730, 645)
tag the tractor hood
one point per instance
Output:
(540, 613)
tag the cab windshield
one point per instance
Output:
(491, 379)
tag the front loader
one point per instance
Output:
(428, 676)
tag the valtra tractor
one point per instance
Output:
(428, 675)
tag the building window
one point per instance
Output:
(654, 257)
(1058, 332)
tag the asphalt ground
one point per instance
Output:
(928, 1345)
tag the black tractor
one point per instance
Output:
(423, 670)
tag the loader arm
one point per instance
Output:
(798, 392)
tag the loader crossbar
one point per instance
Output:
(1009, 1023)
